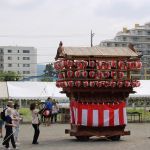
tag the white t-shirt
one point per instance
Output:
(55, 109)
(35, 116)
(16, 115)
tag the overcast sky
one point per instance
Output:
(43, 23)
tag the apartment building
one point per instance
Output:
(139, 36)
(22, 60)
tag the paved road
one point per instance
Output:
(53, 138)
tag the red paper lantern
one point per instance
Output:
(77, 83)
(85, 64)
(108, 65)
(113, 84)
(65, 84)
(107, 83)
(70, 74)
(100, 74)
(138, 64)
(99, 65)
(77, 74)
(106, 74)
(70, 63)
(138, 83)
(70, 83)
(105, 65)
(113, 64)
(113, 74)
(120, 84)
(92, 74)
(129, 66)
(84, 74)
(58, 84)
(79, 65)
(92, 64)
(92, 83)
(57, 66)
(133, 84)
(99, 84)
(127, 84)
(121, 74)
(120, 64)
(85, 83)
(62, 64)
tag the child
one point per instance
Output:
(9, 130)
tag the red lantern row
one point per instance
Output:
(98, 84)
(98, 64)
(92, 74)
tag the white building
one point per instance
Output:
(22, 60)
(139, 36)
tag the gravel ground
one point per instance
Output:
(54, 138)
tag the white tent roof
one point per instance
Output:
(143, 90)
(33, 90)
(3, 90)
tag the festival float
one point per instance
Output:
(97, 80)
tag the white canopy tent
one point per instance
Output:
(33, 90)
(143, 90)
(3, 90)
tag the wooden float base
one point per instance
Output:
(84, 133)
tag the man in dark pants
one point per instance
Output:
(9, 131)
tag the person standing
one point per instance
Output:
(1, 127)
(16, 122)
(55, 111)
(9, 130)
(48, 111)
(35, 123)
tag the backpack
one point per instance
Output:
(3, 114)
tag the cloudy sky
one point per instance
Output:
(43, 23)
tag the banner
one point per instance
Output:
(97, 115)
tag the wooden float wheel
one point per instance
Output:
(82, 138)
(114, 138)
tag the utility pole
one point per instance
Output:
(92, 35)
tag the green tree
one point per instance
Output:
(9, 76)
(49, 73)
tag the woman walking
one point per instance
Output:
(35, 122)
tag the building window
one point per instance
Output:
(26, 72)
(1, 50)
(18, 58)
(26, 65)
(1, 65)
(9, 65)
(18, 65)
(1, 58)
(9, 51)
(26, 51)
(26, 58)
(9, 58)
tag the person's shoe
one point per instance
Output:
(36, 143)
(16, 148)
(17, 143)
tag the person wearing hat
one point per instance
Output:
(9, 130)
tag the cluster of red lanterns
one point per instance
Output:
(98, 84)
(100, 65)
(92, 74)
